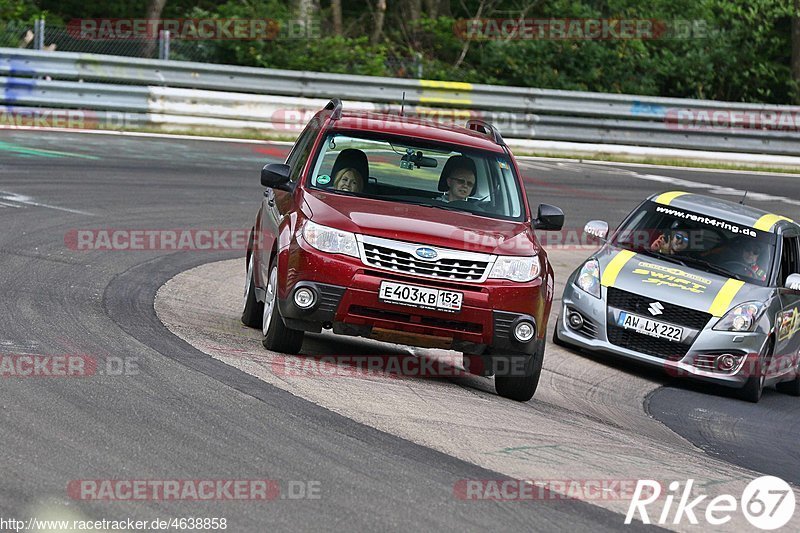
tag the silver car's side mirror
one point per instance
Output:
(793, 282)
(596, 228)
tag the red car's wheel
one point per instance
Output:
(277, 337)
(252, 309)
(519, 382)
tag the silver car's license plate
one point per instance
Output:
(400, 293)
(651, 327)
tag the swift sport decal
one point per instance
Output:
(659, 281)
(671, 277)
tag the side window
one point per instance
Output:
(302, 149)
(790, 258)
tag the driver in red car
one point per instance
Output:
(459, 173)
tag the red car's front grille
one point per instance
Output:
(431, 282)
(445, 269)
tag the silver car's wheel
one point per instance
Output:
(791, 387)
(754, 386)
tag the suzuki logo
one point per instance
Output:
(656, 308)
(427, 253)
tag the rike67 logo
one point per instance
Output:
(767, 503)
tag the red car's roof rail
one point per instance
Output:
(481, 126)
(335, 105)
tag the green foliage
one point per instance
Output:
(294, 47)
(326, 54)
(17, 10)
(737, 50)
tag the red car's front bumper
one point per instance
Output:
(347, 301)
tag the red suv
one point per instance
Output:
(405, 231)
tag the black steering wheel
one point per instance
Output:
(738, 266)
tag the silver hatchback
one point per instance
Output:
(702, 287)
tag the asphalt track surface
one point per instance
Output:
(183, 415)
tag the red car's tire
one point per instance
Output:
(252, 309)
(276, 336)
(520, 387)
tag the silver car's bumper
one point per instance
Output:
(707, 344)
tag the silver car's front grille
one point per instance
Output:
(446, 264)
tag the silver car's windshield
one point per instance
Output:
(699, 241)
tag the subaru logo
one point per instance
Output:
(656, 308)
(427, 253)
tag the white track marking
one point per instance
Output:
(680, 183)
(27, 200)
(714, 189)
(528, 164)
(149, 134)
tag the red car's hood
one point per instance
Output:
(420, 224)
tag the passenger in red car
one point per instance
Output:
(348, 179)
(458, 179)
(350, 170)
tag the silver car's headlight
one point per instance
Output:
(516, 268)
(330, 240)
(589, 278)
(743, 317)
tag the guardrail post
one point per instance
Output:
(163, 44)
(38, 34)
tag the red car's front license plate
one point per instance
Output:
(400, 293)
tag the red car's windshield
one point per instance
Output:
(400, 170)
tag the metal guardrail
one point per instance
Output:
(213, 94)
